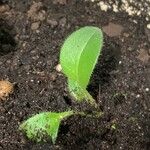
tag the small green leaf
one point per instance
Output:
(78, 58)
(44, 124)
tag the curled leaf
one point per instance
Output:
(44, 124)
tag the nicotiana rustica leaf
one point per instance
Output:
(44, 124)
(78, 58)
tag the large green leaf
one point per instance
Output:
(78, 57)
(44, 124)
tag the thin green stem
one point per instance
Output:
(80, 93)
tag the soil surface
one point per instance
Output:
(31, 34)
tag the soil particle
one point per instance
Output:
(52, 22)
(6, 88)
(36, 13)
(148, 26)
(4, 8)
(143, 56)
(103, 6)
(131, 7)
(113, 29)
(58, 68)
(62, 22)
(35, 25)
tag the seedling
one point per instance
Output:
(78, 57)
(46, 124)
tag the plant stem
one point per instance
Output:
(80, 93)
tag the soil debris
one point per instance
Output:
(62, 21)
(36, 13)
(53, 23)
(131, 7)
(4, 8)
(58, 68)
(143, 56)
(148, 26)
(113, 29)
(35, 25)
(6, 88)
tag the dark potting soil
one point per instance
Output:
(31, 34)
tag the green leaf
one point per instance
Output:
(78, 58)
(44, 124)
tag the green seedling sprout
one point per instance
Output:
(78, 57)
(46, 124)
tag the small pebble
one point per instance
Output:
(120, 62)
(138, 95)
(148, 26)
(35, 25)
(103, 6)
(147, 89)
(58, 68)
(37, 31)
(113, 29)
(52, 23)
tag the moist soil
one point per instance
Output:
(31, 34)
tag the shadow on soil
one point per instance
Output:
(107, 64)
(7, 41)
